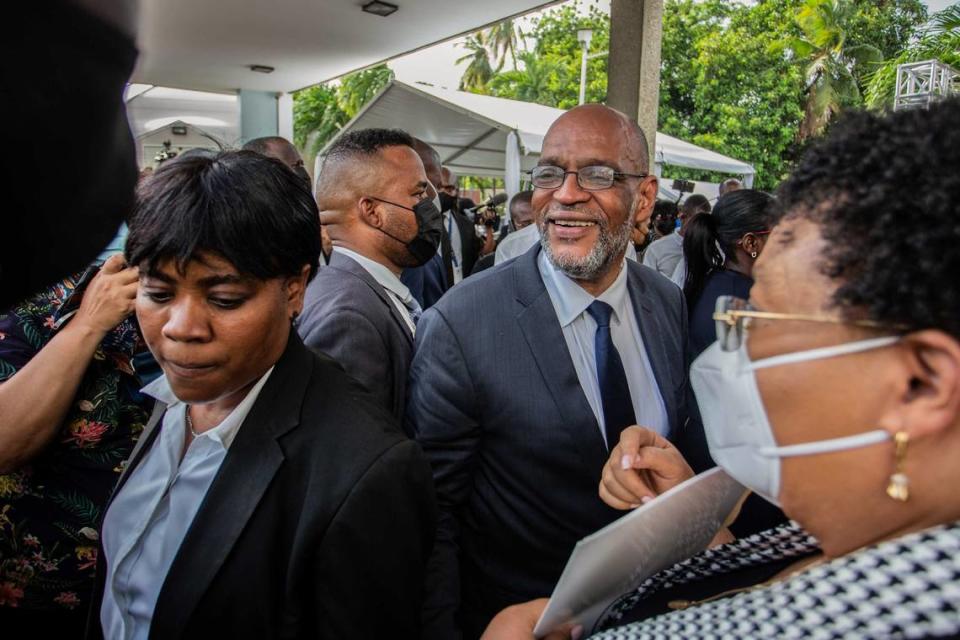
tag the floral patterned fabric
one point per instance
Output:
(50, 509)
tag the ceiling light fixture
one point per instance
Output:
(378, 8)
(261, 68)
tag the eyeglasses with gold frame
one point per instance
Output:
(732, 316)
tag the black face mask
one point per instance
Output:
(448, 202)
(424, 245)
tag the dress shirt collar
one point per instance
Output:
(384, 277)
(570, 299)
(226, 431)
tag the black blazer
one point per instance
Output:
(515, 448)
(471, 244)
(318, 522)
(348, 316)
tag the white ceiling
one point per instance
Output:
(216, 114)
(210, 44)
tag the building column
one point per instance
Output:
(633, 65)
(285, 116)
(258, 114)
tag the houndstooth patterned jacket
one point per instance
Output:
(904, 588)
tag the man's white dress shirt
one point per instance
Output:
(570, 301)
(398, 292)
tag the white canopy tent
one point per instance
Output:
(486, 136)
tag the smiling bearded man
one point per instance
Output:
(569, 344)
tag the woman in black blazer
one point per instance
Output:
(269, 496)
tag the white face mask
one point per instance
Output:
(738, 432)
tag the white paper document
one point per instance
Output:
(619, 557)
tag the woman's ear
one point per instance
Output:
(295, 289)
(929, 401)
(751, 243)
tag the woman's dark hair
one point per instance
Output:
(251, 210)
(711, 238)
(884, 189)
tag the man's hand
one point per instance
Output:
(517, 623)
(641, 467)
(109, 297)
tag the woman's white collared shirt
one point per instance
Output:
(150, 516)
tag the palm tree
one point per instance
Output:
(502, 39)
(832, 62)
(939, 40)
(479, 72)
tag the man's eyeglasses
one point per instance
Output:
(595, 178)
(733, 315)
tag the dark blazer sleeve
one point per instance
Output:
(442, 417)
(349, 337)
(372, 560)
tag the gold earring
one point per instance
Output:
(899, 487)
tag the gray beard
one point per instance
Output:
(610, 245)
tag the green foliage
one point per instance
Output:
(939, 39)
(479, 71)
(357, 89)
(319, 112)
(834, 62)
(731, 86)
(737, 77)
(316, 111)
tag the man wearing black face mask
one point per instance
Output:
(279, 149)
(376, 204)
(465, 245)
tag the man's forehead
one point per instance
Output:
(586, 138)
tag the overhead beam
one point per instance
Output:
(483, 136)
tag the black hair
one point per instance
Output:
(711, 238)
(367, 142)
(248, 208)
(694, 204)
(884, 189)
(664, 216)
(520, 196)
(262, 145)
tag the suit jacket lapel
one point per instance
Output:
(539, 324)
(344, 263)
(247, 470)
(651, 331)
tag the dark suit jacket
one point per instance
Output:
(515, 448)
(320, 518)
(470, 243)
(349, 316)
(427, 283)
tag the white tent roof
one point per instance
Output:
(210, 44)
(470, 131)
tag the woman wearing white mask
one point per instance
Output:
(836, 396)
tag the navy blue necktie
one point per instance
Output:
(614, 391)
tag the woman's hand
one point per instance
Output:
(517, 623)
(642, 466)
(109, 297)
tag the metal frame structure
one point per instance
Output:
(921, 83)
